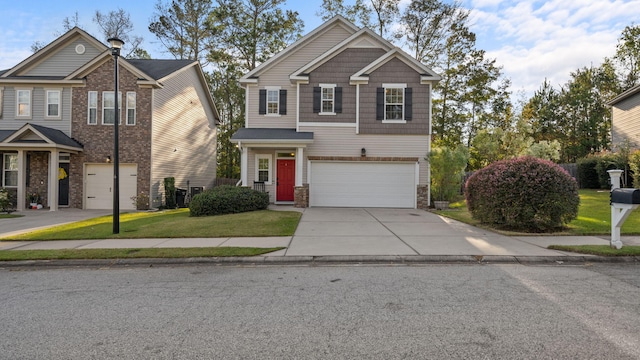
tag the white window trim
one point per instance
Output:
(46, 104)
(28, 116)
(135, 104)
(333, 102)
(89, 107)
(270, 171)
(277, 90)
(119, 100)
(5, 170)
(394, 121)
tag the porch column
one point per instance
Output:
(244, 165)
(299, 167)
(54, 164)
(22, 181)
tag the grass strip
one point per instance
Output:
(68, 254)
(602, 250)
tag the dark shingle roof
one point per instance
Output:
(271, 134)
(57, 136)
(5, 134)
(158, 69)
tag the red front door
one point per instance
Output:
(286, 180)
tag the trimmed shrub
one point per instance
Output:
(170, 193)
(228, 199)
(587, 173)
(526, 194)
(634, 165)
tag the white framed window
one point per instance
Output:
(92, 105)
(327, 99)
(263, 168)
(273, 100)
(108, 108)
(53, 99)
(23, 103)
(131, 108)
(10, 170)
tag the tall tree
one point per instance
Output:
(180, 25)
(253, 30)
(386, 12)
(358, 13)
(628, 55)
(118, 24)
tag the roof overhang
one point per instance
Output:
(35, 137)
(624, 95)
(272, 138)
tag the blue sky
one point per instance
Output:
(532, 40)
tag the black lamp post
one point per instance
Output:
(116, 45)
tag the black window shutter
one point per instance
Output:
(283, 102)
(408, 104)
(317, 93)
(262, 105)
(380, 104)
(337, 105)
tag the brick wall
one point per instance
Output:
(98, 142)
(38, 176)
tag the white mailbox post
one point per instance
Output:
(622, 204)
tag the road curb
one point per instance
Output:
(328, 260)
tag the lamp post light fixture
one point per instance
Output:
(116, 45)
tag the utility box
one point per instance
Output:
(625, 196)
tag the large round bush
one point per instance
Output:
(228, 199)
(526, 193)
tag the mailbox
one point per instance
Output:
(625, 196)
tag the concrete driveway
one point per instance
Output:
(373, 231)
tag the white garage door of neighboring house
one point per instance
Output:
(99, 186)
(362, 184)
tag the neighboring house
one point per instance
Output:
(625, 116)
(56, 126)
(341, 118)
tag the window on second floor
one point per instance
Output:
(131, 108)
(92, 112)
(327, 99)
(10, 170)
(53, 99)
(272, 101)
(23, 103)
(394, 103)
(108, 108)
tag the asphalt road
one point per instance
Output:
(341, 312)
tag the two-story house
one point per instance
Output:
(57, 111)
(625, 115)
(340, 118)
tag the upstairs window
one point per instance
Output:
(92, 113)
(327, 99)
(394, 103)
(108, 108)
(131, 108)
(23, 103)
(272, 101)
(53, 100)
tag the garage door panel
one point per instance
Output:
(362, 184)
(99, 186)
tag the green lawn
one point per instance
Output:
(594, 216)
(173, 224)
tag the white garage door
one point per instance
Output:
(99, 186)
(362, 184)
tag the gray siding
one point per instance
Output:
(183, 141)
(626, 121)
(278, 75)
(394, 71)
(337, 71)
(65, 61)
(9, 121)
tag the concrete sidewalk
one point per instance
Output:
(326, 232)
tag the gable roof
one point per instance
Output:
(32, 135)
(624, 95)
(426, 73)
(159, 69)
(337, 20)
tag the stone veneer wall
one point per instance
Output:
(301, 196)
(423, 197)
(134, 141)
